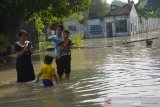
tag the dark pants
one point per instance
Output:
(64, 65)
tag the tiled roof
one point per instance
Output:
(124, 10)
(95, 17)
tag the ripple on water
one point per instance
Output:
(97, 74)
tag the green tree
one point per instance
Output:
(74, 16)
(14, 12)
(98, 8)
(148, 8)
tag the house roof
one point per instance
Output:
(94, 17)
(124, 10)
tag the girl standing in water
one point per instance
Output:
(24, 67)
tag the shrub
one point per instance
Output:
(4, 44)
(77, 39)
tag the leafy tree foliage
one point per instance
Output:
(44, 11)
(148, 8)
(98, 8)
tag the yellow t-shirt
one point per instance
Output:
(47, 71)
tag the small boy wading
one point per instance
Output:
(47, 72)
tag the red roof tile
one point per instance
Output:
(125, 10)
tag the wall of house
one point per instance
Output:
(134, 22)
(135, 25)
(74, 26)
(113, 19)
(87, 29)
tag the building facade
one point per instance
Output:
(74, 26)
(120, 21)
(94, 28)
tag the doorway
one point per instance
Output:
(109, 31)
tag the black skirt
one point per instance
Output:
(25, 72)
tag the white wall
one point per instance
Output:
(113, 19)
(137, 27)
(134, 20)
(79, 27)
(90, 22)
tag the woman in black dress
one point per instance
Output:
(24, 67)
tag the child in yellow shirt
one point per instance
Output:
(47, 72)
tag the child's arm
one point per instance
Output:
(38, 76)
(55, 78)
(46, 37)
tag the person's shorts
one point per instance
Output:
(64, 65)
(47, 82)
(60, 66)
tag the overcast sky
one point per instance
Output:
(109, 1)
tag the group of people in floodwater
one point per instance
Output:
(24, 66)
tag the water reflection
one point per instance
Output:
(128, 71)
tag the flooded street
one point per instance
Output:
(117, 76)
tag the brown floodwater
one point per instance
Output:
(117, 76)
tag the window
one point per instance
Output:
(72, 28)
(95, 29)
(121, 26)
